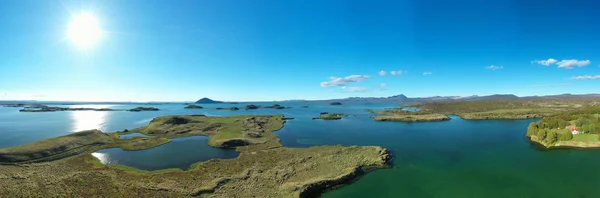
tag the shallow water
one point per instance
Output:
(179, 153)
(456, 158)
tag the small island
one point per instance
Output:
(207, 101)
(335, 103)
(193, 107)
(65, 164)
(228, 108)
(143, 109)
(570, 129)
(274, 106)
(332, 116)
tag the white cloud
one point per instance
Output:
(427, 73)
(586, 77)
(397, 73)
(493, 67)
(382, 73)
(548, 62)
(354, 89)
(569, 64)
(552, 85)
(335, 81)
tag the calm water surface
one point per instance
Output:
(456, 158)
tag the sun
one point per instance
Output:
(84, 30)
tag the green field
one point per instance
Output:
(585, 138)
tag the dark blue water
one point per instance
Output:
(179, 153)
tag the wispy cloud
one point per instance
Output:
(427, 73)
(586, 77)
(569, 64)
(382, 73)
(493, 67)
(551, 85)
(335, 81)
(397, 73)
(381, 87)
(354, 89)
(548, 62)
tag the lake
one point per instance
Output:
(456, 158)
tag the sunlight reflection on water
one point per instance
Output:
(102, 157)
(86, 120)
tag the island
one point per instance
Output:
(44, 108)
(207, 101)
(228, 108)
(274, 106)
(332, 116)
(193, 107)
(143, 109)
(578, 128)
(304, 106)
(401, 115)
(335, 103)
(64, 166)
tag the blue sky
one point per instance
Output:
(246, 50)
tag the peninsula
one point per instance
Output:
(569, 129)
(63, 166)
(401, 115)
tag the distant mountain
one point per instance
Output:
(207, 101)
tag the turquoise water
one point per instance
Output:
(456, 158)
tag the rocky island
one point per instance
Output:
(274, 106)
(335, 103)
(569, 129)
(193, 107)
(270, 170)
(144, 109)
(228, 108)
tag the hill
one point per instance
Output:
(207, 101)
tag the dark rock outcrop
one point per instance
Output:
(335, 103)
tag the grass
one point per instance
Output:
(412, 118)
(331, 116)
(262, 169)
(510, 114)
(585, 138)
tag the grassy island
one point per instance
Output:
(64, 167)
(331, 116)
(569, 129)
(400, 115)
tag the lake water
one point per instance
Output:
(179, 153)
(456, 158)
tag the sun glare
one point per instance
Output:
(84, 30)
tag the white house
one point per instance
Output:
(574, 131)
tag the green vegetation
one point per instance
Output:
(263, 169)
(331, 116)
(555, 130)
(500, 109)
(400, 115)
(412, 118)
